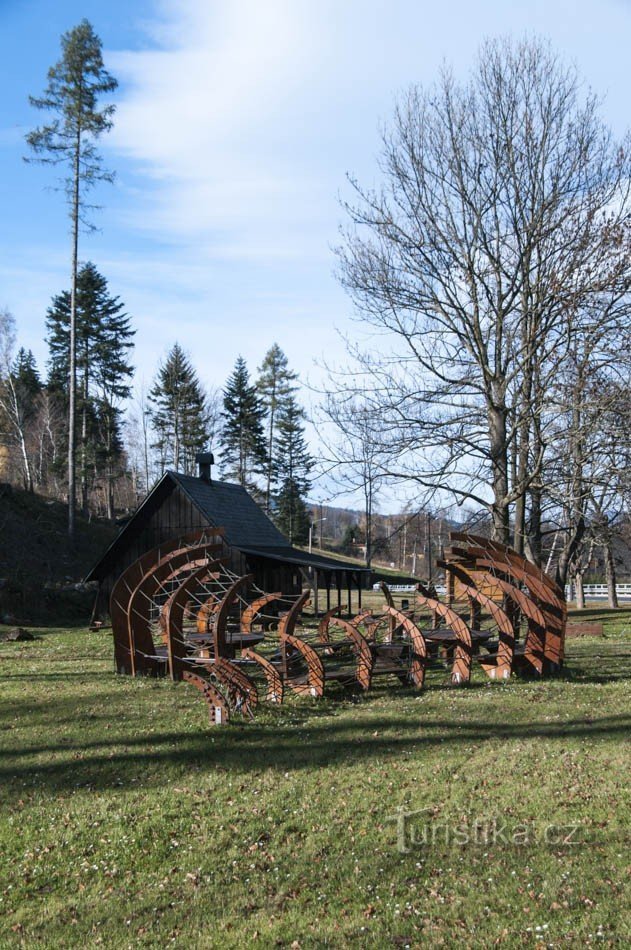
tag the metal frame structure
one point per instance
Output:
(179, 611)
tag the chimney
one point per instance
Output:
(204, 461)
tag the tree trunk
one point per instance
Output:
(28, 476)
(533, 541)
(575, 503)
(110, 468)
(610, 573)
(569, 551)
(270, 449)
(521, 476)
(498, 447)
(17, 418)
(72, 383)
(368, 500)
(580, 592)
(84, 438)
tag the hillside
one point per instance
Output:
(37, 563)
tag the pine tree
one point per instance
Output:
(112, 380)
(275, 383)
(103, 337)
(292, 469)
(75, 85)
(242, 439)
(178, 416)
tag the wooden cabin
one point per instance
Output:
(179, 504)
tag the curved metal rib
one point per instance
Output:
(205, 612)
(365, 659)
(275, 691)
(503, 665)
(172, 615)
(315, 670)
(390, 602)
(419, 654)
(218, 710)
(124, 653)
(325, 622)
(223, 611)
(143, 595)
(545, 591)
(288, 621)
(463, 652)
(251, 612)
(242, 693)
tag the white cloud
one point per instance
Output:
(202, 117)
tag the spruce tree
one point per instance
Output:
(27, 380)
(292, 469)
(276, 382)
(75, 85)
(112, 380)
(242, 439)
(178, 413)
(103, 338)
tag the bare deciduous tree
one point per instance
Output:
(12, 409)
(504, 211)
(352, 458)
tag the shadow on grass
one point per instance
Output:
(600, 612)
(62, 677)
(149, 759)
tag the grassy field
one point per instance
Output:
(493, 815)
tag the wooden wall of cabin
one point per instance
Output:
(175, 516)
(271, 575)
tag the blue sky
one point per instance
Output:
(237, 123)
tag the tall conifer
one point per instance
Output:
(178, 413)
(75, 85)
(275, 383)
(242, 439)
(292, 468)
(103, 338)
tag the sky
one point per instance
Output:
(237, 124)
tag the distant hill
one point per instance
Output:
(38, 566)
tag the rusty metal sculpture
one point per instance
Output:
(500, 665)
(179, 611)
(543, 649)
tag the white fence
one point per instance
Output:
(592, 591)
(408, 588)
(598, 591)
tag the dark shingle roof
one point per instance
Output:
(291, 555)
(230, 507)
(223, 505)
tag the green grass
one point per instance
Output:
(126, 821)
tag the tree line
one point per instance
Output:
(35, 413)
(257, 428)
